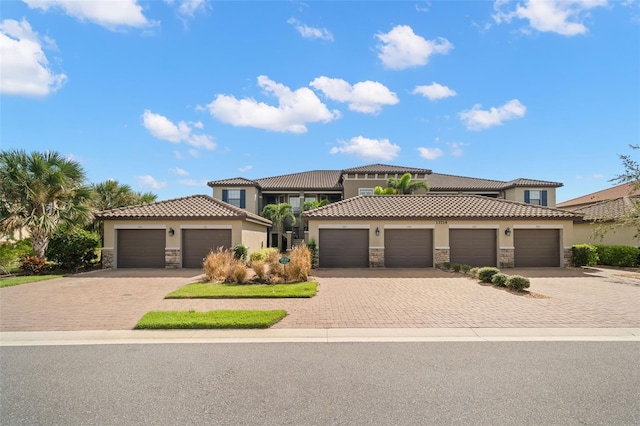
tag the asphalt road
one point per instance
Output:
(536, 383)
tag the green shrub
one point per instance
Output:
(518, 282)
(313, 248)
(32, 265)
(73, 249)
(466, 269)
(500, 279)
(584, 255)
(240, 252)
(12, 254)
(626, 256)
(486, 273)
(446, 265)
(474, 272)
(262, 254)
(456, 267)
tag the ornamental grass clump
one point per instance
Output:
(221, 266)
(260, 269)
(518, 282)
(299, 268)
(276, 270)
(500, 279)
(485, 274)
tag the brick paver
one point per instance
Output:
(108, 300)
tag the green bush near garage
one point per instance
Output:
(624, 256)
(517, 282)
(500, 279)
(73, 248)
(486, 273)
(584, 255)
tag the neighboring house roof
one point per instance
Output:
(612, 193)
(192, 207)
(435, 206)
(608, 210)
(385, 168)
(531, 183)
(237, 181)
(313, 180)
(443, 182)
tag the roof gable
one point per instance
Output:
(608, 210)
(314, 179)
(192, 207)
(237, 181)
(612, 193)
(434, 206)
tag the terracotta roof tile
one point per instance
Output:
(237, 181)
(385, 168)
(435, 206)
(443, 182)
(531, 182)
(608, 210)
(315, 179)
(192, 207)
(606, 194)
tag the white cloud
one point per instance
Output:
(430, 153)
(194, 152)
(163, 128)
(423, 7)
(192, 182)
(147, 181)
(295, 109)
(401, 48)
(245, 168)
(198, 125)
(565, 17)
(456, 148)
(478, 119)
(178, 171)
(368, 149)
(24, 68)
(109, 14)
(190, 7)
(310, 32)
(367, 96)
(434, 91)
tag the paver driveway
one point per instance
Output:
(110, 300)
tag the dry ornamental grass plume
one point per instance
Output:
(299, 268)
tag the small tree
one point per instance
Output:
(277, 214)
(402, 186)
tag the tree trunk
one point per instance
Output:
(39, 243)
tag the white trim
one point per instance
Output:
(538, 226)
(140, 227)
(340, 226)
(507, 248)
(442, 248)
(568, 248)
(206, 226)
(376, 247)
(172, 248)
(409, 226)
(258, 222)
(474, 226)
(106, 248)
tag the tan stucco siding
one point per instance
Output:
(251, 196)
(517, 194)
(621, 236)
(351, 186)
(254, 236)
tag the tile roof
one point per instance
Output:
(315, 179)
(434, 206)
(192, 207)
(608, 210)
(531, 182)
(612, 193)
(385, 168)
(443, 182)
(239, 181)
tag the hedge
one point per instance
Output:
(584, 255)
(617, 255)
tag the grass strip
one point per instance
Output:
(11, 281)
(209, 319)
(244, 291)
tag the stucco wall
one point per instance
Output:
(254, 236)
(517, 194)
(251, 196)
(622, 236)
(351, 186)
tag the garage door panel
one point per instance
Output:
(474, 247)
(536, 247)
(141, 248)
(344, 248)
(197, 243)
(408, 248)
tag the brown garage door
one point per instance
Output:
(536, 247)
(197, 243)
(140, 248)
(344, 248)
(475, 247)
(408, 248)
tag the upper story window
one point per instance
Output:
(537, 197)
(365, 191)
(235, 197)
(295, 204)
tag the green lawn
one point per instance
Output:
(11, 281)
(210, 319)
(244, 291)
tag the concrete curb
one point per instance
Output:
(330, 335)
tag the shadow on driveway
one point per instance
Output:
(438, 273)
(142, 273)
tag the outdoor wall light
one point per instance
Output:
(507, 232)
(377, 231)
(171, 232)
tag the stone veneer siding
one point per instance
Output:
(442, 255)
(507, 258)
(567, 257)
(172, 258)
(376, 257)
(107, 258)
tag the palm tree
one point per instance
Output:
(277, 213)
(404, 185)
(378, 190)
(39, 192)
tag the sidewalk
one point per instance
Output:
(334, 335)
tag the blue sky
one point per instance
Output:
(167, 95)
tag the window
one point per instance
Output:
(536, 197)
(235, 197)
(295, 203)
(365, 191)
